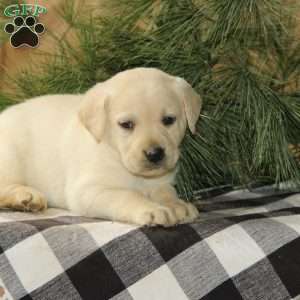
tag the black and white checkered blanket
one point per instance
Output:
(246, 245)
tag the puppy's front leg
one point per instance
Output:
(166, 195)
(120, 205)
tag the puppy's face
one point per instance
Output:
(143, 114)
(146, 127)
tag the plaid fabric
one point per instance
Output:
(246, 245)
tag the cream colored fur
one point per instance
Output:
(70, 151)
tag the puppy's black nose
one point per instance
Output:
(155, 154)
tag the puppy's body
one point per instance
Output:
(52, 148)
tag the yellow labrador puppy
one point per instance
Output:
(110, 153)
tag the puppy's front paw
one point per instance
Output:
(185, 212)
(163, 216)
(192, 214)
(28, 199)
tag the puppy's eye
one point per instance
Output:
(168, 120)
(128, 125)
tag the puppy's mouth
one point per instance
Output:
(152, 170)
(153, 173)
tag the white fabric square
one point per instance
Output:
(294, 200)
(34, 262)
(17, 216)
(3, 220)
(160, 284)
(104, 232)
(292, 221)
(235, 249)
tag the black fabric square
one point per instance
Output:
(286, 262)
(221, 205)
(283, 212)
(226, 290)
(260, 281)
(171, 241)
(247, 217)
(94, 277)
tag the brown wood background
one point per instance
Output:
(12, 60)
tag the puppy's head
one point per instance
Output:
(142, 113)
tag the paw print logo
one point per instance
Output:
(24, 32)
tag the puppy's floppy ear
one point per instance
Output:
(92, 112)
(192, 103)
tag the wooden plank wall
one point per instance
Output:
(12, 60)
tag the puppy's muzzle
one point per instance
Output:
(155, 154)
